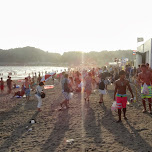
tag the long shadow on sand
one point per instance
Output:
(132, 141)
(58, 133)
(7, 115)
(92, 128)
(16, 134)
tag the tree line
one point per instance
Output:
(31, 55)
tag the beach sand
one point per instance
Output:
(92, 126)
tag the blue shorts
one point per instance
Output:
(27, 92)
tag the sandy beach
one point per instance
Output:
(92, 126)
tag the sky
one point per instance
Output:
(74, 25)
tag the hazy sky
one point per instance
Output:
(74, 25)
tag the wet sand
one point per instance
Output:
(92, 126)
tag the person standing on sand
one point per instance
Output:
(39, 79)
(27, 89)
(65, 91)
(102, 89)
(145, 77)
(9, 84)
(2, 85)
(88, 86)
(39, 91)
(121, 98)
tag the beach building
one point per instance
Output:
(144, 53)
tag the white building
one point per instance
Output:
(144, 53)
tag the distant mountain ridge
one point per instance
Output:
(34, 56)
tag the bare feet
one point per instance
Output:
(125, 118)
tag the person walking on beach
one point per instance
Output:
(2, 85)
(65, 91)
(102, 89)
(9, 84)
(121, 98)
(27, 89)
(88, 86)
(145, 77)
(39, 91)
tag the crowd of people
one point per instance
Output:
(98, 78)
(89, 79)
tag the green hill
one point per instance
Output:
(33, 56)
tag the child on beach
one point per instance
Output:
(121, 98)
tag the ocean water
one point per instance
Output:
(20, 72)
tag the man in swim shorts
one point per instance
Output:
(65, 91)
(121, 98)
(145, 77)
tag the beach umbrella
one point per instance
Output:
(47, 76)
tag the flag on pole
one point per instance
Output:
(134, 52)
(140, 39)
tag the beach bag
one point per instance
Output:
(70, 95)
(42, 95)
(102, 85)
(66, 87)
(114, 106)
(145, 89)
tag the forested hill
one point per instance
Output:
(28, 55)
(34, 56)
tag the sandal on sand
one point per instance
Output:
(144, 111)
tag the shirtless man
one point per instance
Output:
(9, 84)
(145, 77)
(1, 85)
(121, 98)
(27, 89)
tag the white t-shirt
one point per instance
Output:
(39, 90)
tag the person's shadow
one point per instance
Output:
(132, 141)
(17, 134)
(92, 128)
(58, 133)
